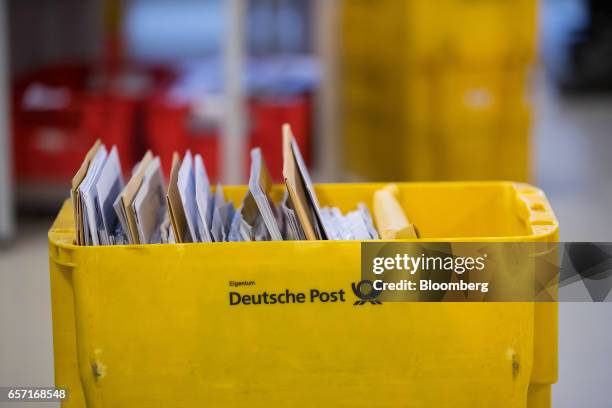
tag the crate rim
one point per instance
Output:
(64, 237)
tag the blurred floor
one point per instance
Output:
(573, 142)
(573, 161)
(573, 165)
(26, 351)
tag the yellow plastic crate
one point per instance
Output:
(418, 73)
(482, 98)
(473, 32)
(150, 325)
(483, 31)
(448, 123)
(478, 127)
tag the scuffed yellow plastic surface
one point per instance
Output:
(151, 325)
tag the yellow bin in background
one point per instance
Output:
(151, 325)
(417, 32)
(437, 90)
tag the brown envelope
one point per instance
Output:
(76, 196)
(296, 182)
(176, 212)
(128, 194)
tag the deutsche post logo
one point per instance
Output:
(365, 291)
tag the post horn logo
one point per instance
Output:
(365, 291)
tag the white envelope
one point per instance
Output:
(89, 199)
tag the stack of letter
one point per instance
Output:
(146, 211)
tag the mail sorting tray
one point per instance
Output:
(151, 325)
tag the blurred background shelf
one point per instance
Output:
(165, 75)
(376, 89)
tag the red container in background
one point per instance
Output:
(267, 118)
(168, 129)
(176, 127)
(51, 138)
